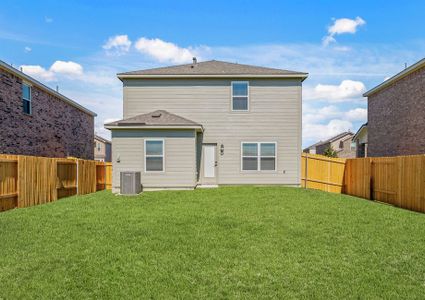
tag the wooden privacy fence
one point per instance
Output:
(29, 180)
(322, 173)
(398, 180)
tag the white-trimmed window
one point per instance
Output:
(26, 98)
(258, 156)
(154, 155)
(240, 96)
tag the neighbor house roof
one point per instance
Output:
(155, 119)
(364, 126)
(395, 78)
(212, 68)
(45, 88)
(98, 137)
(338, 137)
(332, 139)
(313, 146)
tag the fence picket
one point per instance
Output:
(30, 180)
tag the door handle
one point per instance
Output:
(215, 164)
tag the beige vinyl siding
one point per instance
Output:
(274, 115)
(179, 159)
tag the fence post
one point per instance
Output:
(76, 161)
(371, 180)
(306, 171)
(400, 169)
(329, 176)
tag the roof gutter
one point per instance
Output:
(120, 127)
(45, 88)
(396, 77)
(303, 76)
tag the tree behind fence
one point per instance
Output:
(29, 180)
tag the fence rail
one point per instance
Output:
(30, 180)
(322, 173)
(398, 180)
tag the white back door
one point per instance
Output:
(209, 161)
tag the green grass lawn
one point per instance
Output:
(233, 242)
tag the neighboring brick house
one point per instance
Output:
(341, 143)
(36, 120)
(396, 114)
(102, 149)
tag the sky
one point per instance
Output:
(347, 47)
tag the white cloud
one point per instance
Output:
(342, 48)
(67, 67)
(118, 44)
(319, 132)
(326, 113)
(38, 72)
(345, 25)
(357, 114)
(346, 90)
(164, 51)
(99, 90)
(27, 49)
(342, 26)
(322, 123)
(328, 40)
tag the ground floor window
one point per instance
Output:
(154, 155)
(258, 156)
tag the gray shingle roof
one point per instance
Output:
(213, 67)
(155, 118)
(332, 139)
(98, 137)
(338, 136)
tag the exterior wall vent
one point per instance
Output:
(130, 183)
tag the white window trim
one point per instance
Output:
(259, 157)
(231, 96)
(30, 99)
(163, 155)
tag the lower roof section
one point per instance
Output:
(159, 119)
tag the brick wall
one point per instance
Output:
(396, 117)
(54, 129)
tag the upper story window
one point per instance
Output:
(240, 96)
(154, 155)
(26, 98)
(98, 146)
(258, 156)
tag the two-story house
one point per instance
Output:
(396, 114)
(102, 149)
(209, 123)
(341, 143)
(37, 120)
